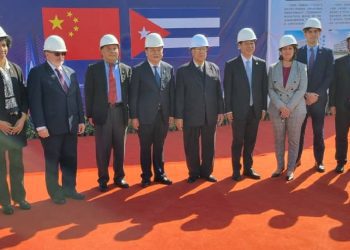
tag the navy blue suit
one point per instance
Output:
(319, 80)
(60, 113)
(152, 105)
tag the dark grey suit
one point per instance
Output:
(340, 98)
(245, 117)
(60, 113)
(199, 101)
(152, 106)
(110, 120)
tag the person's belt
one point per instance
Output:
(114, 105)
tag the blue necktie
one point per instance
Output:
(311, 59)
(248, 69)
(157, 76)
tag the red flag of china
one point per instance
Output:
(81, 29)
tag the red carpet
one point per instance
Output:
(311, 212)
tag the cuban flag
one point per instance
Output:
(176, 26)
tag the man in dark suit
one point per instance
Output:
(57, 112)
(245, 85)
(199, 108)
(106, 100)
(339, 102)
(151, 105)
(320, 72)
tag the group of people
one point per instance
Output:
(152, 98)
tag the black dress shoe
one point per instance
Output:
(145, 183)
(251, 174)
(7, 209)
(74, 195)
(192, 179)
(237, 178)
(163, 180)
(103, 187)
(59, 200)
(210, 178)
(320, 167)
(339, 168)
(122, 183)
(24, 205)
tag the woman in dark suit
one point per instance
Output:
(287, 109)
(13, 113)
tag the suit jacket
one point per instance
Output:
(21, 99)
(198, 102)
(49, 105)
(339, 94)
(146, 98)
(96, 91)
(237, 90)
(291, 96)
(320, 77)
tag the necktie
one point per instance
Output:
(311, 59)
(112, 94)
(62, 81)
(248, 69)
(157, 76)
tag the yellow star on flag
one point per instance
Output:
(75, 20)
(56, 23)
(69, 14)
(76, 28)
(71, 34)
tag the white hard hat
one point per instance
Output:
(246, 34)
(153, 40)
(2, 32)
(199, 40)
(108, 39)
(55, 43)
(287, 40)
(313, 22)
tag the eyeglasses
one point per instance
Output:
(58, 53)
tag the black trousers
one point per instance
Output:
(108, 136)
(317, 114)
(60, 151)
(342, 124)
(152, 138)
(15, 157)
(244, 133)
(196, 166)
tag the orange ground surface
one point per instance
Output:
(311, 212)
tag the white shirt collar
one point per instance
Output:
(152, 65)
(246, 59)
(197, 65)
(54, 67)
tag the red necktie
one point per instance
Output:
(112, 94)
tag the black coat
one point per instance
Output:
(339, 94)
(49, 105)
(21, 99)
(237, 90)
(96, 96)
(198, 102)
(146, 98)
